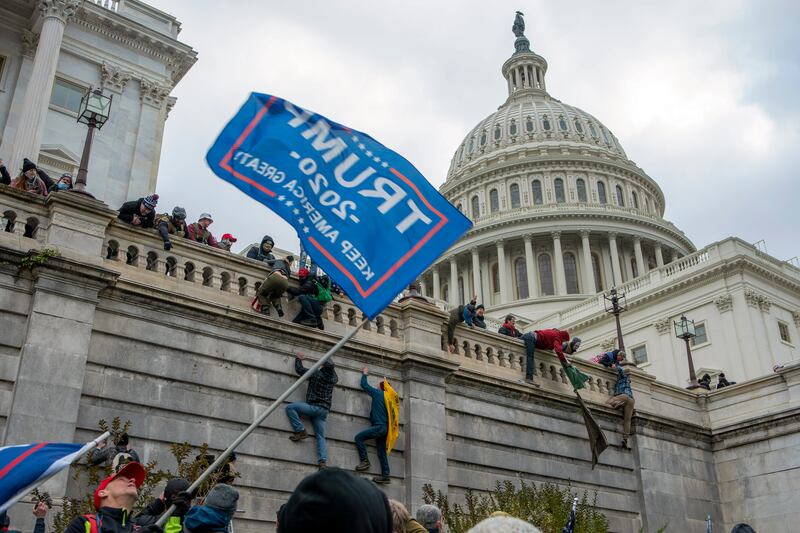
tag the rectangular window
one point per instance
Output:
(67, 95)
(783, 328)
(640, 354)
(700, 336)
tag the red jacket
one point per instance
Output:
(551, 339)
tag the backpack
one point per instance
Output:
(323, 292)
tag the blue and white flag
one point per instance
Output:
(24, 467)
(366, 215)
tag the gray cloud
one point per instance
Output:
(704, 100)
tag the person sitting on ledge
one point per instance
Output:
(198, 232)
(456, 317)
(547, 339)
(31, 180)
(509, 327)
(139, 212)
(64, 183)
(473, 314)
(171, 225)
(5, 177)
(722, 381)
(264, 251)
(227, 241)
(705, 381)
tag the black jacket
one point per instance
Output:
(320, 384)
(258, 253)
(98, 456)
(479, 322)
(131, 208)
(5, 177)
(111, 521)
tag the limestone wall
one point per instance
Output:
(178, 352)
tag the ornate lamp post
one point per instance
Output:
(94, 112)
(614, 303)
(685, 330)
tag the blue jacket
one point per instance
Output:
(202, 518)
(377, 415)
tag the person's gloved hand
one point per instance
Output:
(167, 245)
(182, 502)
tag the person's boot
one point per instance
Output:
(309, 322)
(322, 465)
(297, 436)
(278, 308)
(320, 325)
(363, 466)
(382, 480)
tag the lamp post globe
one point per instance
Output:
(94, 111)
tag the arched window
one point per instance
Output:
(497, 132)
(546, 275)
(521, 273)
(598, 278)
(605, 135)
(529, 125)
(601, 192)
(495, 278)
(445, 293)
(562, 124)
(512, 128)
(571, 273)
(635, 200)
(483, 138)
(476, 207)
(620, 197)
(536, 188)
(460, 295)
(581, 186)
(514, 191)
(494, 201)
(558, 184)
(578, 126)
(472, 145)
(634, 267)
(592, 130)
(545, 123)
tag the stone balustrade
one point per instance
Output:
(23, 215)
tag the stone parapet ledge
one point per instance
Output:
(18, 208)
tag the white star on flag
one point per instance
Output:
(281, 198)
(289, 203)
(305, 230)
(296, 211)
(300, 220)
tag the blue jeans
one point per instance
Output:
(530, 348)
(379, 434)
(317, 415)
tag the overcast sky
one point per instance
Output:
(705, 100)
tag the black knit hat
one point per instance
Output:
(336, 500)
(27, 165)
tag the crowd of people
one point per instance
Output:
(34, 180)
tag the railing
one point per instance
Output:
(499, 356)
(23, 215)
(215, 274)
(111, 5)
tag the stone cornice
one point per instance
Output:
(177, 56)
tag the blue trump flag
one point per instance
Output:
(24, 467)
(369, 218)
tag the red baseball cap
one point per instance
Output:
(133, 470)
(302, 272)
(228, 237)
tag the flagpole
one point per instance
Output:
(257, 422)
(89, 446)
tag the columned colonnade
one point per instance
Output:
(535, 265)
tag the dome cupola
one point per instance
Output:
(524, 71)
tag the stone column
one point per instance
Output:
(437, 287)
(637, 250)
(476, 273)
(615, 270)
(28, 138)
(588, 271)
(425, 368)
(529, 266)
(501, 270)
(561, 285)
(423, 286)
(454, 297)
(659, 255)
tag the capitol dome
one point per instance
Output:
(559, 211)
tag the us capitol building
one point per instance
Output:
(561, 214)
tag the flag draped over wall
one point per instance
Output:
(393, 409)
(370, 219)
(25, 466)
